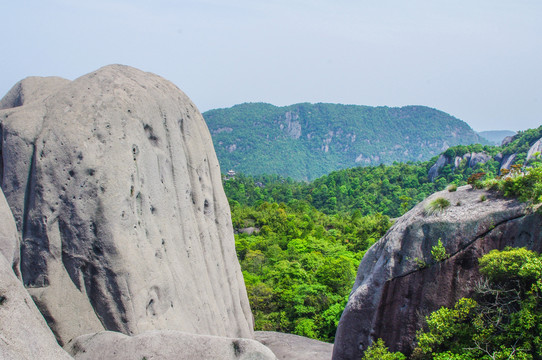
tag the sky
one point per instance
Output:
(480, 61)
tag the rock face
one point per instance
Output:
(9, 237)
(435, 169)
(392, 291)
(473, 159)
(165, 345)
(117, 196)
(294, 347)
(23, 331)
(534, 149)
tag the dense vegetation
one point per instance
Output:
(300, 261)
(306, 141)
(300, 267)
(390, 190)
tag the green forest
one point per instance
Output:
(299, 243)
(305, 141)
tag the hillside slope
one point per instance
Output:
(305, 141)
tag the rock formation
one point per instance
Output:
(165, 344)
(116, 193)
(398, 281)
(294, 347)
(23, 331)
(473, 159)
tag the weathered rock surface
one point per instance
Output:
(9, 237)
(472, 159)
(23, 331)
(507, 161)
(536, 148)
(437, 166)
(165, 344)
(478, 158)
(392, 293)
(294, 347)
(116, 192)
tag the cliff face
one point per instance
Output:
(23, 331)
(399, 282)
(116, 193)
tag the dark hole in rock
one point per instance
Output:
(236, 348)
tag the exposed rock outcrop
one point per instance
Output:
(392, 293)
(294, 347)
(23, 331)
(507, 161)
(9, 237)
(434, 171)
(534, 149)
(474, 158)
(165, 344)
(478, 158)
(116, 192)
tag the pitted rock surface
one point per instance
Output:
(116, 192)
(392, 292)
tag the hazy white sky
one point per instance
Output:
(480, 60)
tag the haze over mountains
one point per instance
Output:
(305, 141)
(496, 136)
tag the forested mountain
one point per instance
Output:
(305, 141)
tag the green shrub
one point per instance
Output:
(452, 187)
(438, 252)
(526, 186)
(475, 180)
(511, 264)
(436, 205)
(379, 351)
(483, 198)
(503, 320)
(420, 263)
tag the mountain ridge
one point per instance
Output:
(305, 141)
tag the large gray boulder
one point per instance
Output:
(165, 344)
(536, 148)
(507, 161)
(398, 281)
(116, 192)
(434, 171)
(294, 347)
(478, 158)
(23, 331)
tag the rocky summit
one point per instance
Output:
(399, 279)
(117, 211)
